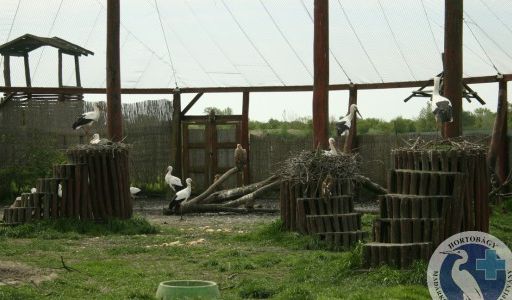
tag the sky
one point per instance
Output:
(199, 43)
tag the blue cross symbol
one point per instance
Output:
(491, 264)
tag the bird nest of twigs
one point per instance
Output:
(439, 144)
(98, 147)
(307, 166)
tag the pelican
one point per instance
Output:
(443, 106)
(462, 278)
(181, 196)
(240, 157)
(343, 125)
(332, 147)
(172, 180)
(87, 119)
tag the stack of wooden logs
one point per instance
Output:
(329, 216)
(428, 201)
(95, 186)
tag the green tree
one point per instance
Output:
(426, 120)
(218, 111)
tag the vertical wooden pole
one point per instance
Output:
(114, 114)
(245, 134)
(351, 141)
(27, 70)
(453, 64)
(498, 150)
(60, 68)
(176, 148)
(321, 74)
(77, 71)
(7, 70)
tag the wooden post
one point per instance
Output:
(60, 68)
(7, 70)
(321, 74)
(351, 141)
(77, 71)
(114, 114)
(498, 149)
(27, 70)
(245, 134)
(453, 64)
(176, 135)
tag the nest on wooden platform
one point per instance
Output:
(110, 146)
(307, 166)
(439, 144)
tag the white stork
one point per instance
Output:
(134, 190)
(343, 125)
(88, 118)
(33, 190)
(442, 105)
(462, 278)
(172, 180)
(181, 196)
(59, 191)
(332, 147)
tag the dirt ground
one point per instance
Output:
(13, 273)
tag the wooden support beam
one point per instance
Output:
(351, 140)
(453, 64)
(192, 102)
(7, 70)
(321, 74)
(498, 150)
(27, 70)
(252, 89)
(77, 71)
(176, 148)
(60, 68)
(245, 135)
(114, 114)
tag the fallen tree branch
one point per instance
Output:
(211, 188)
(369, 184)
(249, 198)
(225, 195)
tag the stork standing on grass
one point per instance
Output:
(87, 119)
(172, 180)
(462, 278)
(442, 105)
(181, 196)
(343, 125)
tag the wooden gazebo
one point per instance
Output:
(22, 45)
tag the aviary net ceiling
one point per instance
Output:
(209, 43)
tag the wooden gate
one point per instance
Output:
(208, 148)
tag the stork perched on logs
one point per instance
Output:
(240, 157)
(87, 119)
(181, 196)
(343, 125)
(172, 180)
(442, 105)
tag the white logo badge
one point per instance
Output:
(471, 265)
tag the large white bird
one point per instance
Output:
(172, 180)
(332, 148)
(462, 278)
(88, 118)
(33, 190)
(343, 125)
(59, 191)
(134, 190)
(442, 105)
(181, 196)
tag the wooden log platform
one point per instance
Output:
(333, 223)
(409, 230)
(342, 240)
(397, 255)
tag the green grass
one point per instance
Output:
(126, 260)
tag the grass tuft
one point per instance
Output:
(72, 228)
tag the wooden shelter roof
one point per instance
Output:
(28, 42)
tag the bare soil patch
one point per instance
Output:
(13, 273)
